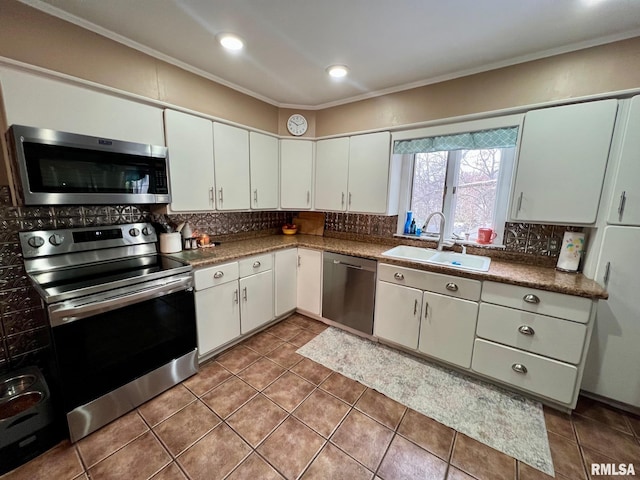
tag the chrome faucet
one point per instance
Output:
(442, 223)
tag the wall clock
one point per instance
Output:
(297, 124)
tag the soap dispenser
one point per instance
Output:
(407, 223)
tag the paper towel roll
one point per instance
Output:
(170, 242)
(571, 252)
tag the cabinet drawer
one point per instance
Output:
(543, 376)
(434, 282)
(549, 336)
(257, 264)
(215, 275)
(538, 301)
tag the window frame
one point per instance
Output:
(505, 180)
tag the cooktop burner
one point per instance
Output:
(70, 263)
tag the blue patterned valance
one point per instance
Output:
(495, 138)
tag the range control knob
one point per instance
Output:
(56, 239)
(134, 232)
(35, 241)
(147, 231)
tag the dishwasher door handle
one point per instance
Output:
(350, 265)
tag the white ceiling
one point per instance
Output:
(389, 45)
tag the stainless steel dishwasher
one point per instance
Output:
(348, 291)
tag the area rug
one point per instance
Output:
(496, 417)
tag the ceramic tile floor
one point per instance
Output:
(261, 411)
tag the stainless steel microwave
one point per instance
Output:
(59, 168)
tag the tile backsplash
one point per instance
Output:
(24, 336)
(536, 239)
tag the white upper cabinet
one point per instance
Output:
(263, 161)
(562, 161)
(369, 173)
(296, 173)
(353, 174)
(231, 163)
(332, 170)
(36, 101)
(190, 142)
(625, 207)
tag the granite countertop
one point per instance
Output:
(544, 278)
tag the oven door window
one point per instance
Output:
(103, 352)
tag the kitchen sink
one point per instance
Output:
(415, 254)
(430, 256)
(463, 261)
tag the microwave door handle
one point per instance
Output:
(64, 313)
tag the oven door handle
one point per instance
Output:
(67, 312)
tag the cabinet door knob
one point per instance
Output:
(218, 275)
(531, 298)
(526, 330)
(398, 276)
(256, 264)
(519, 368)
(452, 287)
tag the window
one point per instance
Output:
(470, 186)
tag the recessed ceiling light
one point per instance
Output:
(230, 41)
(338, 71)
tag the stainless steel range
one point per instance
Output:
(122, 318)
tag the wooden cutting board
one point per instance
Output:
(310, 223)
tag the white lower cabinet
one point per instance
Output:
(256, 291)
(256, 306)
(541, 375)
(232, 299)
(309, 281)
(218, 315)
(217, 306)
(533, 340)
(448, 328)
(285, 271)
(397, 314)
(435, 323)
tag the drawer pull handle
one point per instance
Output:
(256, 264)
(218, 275)
(398, 276)
(519, 368)
(452, 287)
(531, 298)
(526, 330)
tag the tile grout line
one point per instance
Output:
(585, 468)
(75, 445)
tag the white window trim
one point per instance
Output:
(503, 194)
